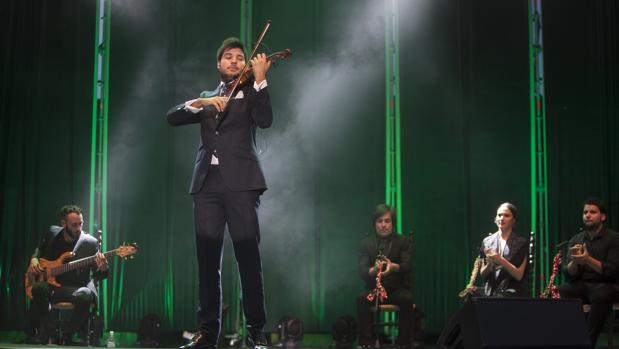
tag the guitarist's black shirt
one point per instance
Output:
(61, 246)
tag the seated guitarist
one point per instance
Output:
(76, 286)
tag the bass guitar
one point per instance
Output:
(58, 266)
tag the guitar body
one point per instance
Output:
(31, 278)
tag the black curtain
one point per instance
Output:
(465, 125)
(45, 117)
(582, 84)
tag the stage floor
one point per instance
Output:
(30, 346)
(173, 339)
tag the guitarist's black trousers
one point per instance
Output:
(214, 207)
(44, 293)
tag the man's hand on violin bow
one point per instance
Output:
(218, 102)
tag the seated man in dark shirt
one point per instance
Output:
(389, 252)
(76, 286)
(593, 266)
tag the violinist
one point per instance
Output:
(226, 186)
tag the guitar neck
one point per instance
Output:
(80, 263)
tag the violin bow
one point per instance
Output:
(253, 52)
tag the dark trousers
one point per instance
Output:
(400, 297)
(214, 207)
(43, 294)
(601, 297)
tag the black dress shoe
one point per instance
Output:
(259, 341)
(199, 341)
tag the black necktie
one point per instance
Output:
(222, 92)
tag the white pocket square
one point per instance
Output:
(239, 95)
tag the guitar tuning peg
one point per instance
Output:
(131, 257)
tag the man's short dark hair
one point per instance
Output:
(381, 210)
(596, 202)
(66, 209)
(228, 43)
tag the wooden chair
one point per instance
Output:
(390, 325)
(61, 315)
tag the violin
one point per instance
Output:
(247, 74)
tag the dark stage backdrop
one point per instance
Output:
(45, 106)
(465, 140)
(466, 146)
(582, 74)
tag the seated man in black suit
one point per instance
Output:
(76, 286)
(593, 266)
(388, 253)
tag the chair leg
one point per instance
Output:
(59, 334)
(88, 329)
(375, 329)
(59, 326)
(393, 323)
(611, 325)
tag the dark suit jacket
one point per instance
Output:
(231, 137)
(86, 246)
(398, 251)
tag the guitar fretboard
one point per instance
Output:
(80, 263)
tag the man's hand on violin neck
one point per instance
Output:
(218, 102)
(260, 65)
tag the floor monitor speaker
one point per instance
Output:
(491, 323)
